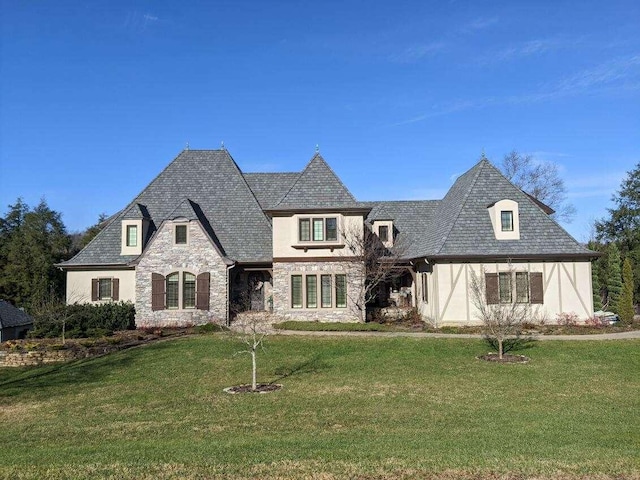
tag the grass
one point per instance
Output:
(307, 326)
(350, 408)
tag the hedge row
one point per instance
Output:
(81, 321)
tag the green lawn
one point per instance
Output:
(350, 408)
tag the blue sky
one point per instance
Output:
(97, 97)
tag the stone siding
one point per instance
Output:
(197, 257)
(33, 358)
(282, 272)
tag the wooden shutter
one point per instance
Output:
(537, 287)
(157, 291)
(95, 289)
(492, 288)
(115, 289)
(202, 291)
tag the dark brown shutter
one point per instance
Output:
(202, 291)
(115, 289)
(95, 289)
(537, 287)
(157, 292)
(491, 285)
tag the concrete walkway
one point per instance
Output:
(601, 336)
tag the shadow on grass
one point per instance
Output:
(48, 380)
(512, 344)
(312, 365)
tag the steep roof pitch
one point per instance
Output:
(410, 219)
(207, 183)
(317, 187)
(269, 188)
(11, 316)
(462, 227)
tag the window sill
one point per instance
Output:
(317, 245)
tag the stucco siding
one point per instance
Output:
(567, 289)
(79, 284)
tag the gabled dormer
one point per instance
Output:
(505, 219)
(134, 230)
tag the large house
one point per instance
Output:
(204, 240)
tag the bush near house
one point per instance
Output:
(82, 321)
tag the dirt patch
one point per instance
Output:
(260, 388)
(506, 358)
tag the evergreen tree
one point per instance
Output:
(33, 241)
(625, 303)
(614, 278)
(623, 224)
(595, 281)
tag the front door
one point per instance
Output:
(255, 282)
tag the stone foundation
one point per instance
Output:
(31, 359)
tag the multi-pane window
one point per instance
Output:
(305, 230)
(425, 286)
(504, 285)
(506, 220)
(522, 287)
(341, 291)
(312, 291)
(132, 235)
(318, 229)
(105, 289)
(296, 291)
(383, 233)
(173, 290)
(326, 291)
(181, 234)
(188, 290)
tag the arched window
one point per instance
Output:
(189, 290)
(173, 290)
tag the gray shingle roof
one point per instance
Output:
(462, 227)
(269, 188)
(214, 185)
(11, 316)
(317, 187)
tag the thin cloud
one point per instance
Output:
(137, 21)
(530, 48)
(480, 23)
(615, 76)
(415, 53)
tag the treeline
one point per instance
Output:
(32, 241)
(616, 274)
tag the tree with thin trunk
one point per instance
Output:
(614, 277)
(372, 261)
(253, 329)
(501, 322)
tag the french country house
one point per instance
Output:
(204, 241)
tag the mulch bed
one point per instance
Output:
(260, 388)
(506, 358)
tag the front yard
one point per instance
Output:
(350, 408)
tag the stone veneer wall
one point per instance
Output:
(164, 257)
(282, 272)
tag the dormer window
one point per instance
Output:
(383, 233)
(384, 230)
(131, 243)
(506, 220)
(132, 235)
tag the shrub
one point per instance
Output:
(81, 321)
(209, 328)
(567, 319)
(596, 322)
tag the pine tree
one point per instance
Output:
(614, 278)
(625, 303)
(595, 281)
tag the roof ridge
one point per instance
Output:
(481, 165)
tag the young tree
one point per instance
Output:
(614, 277)
(253, 328)
(540, 180)
(625, 303)
(372, 261)
(501, 322)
